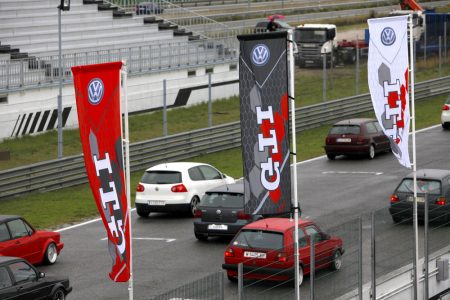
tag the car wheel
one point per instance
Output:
(193, 205)
(336, 264)
(331, 156)
(51, 254)
(142, 212)
(371, 153)
(201, 237)
(300, 275)
(446, 126)
(232, 278)
(59, 294)
(396, 219)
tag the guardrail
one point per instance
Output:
(70, 171)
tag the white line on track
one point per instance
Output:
(298, 163)
(148, 239)
(349, 172)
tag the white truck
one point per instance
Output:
(313, 41)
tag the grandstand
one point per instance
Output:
(95, 32)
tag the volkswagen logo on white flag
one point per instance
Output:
(95, 91)
(388, 36)
(260, 55)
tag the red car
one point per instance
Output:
(266, 250)
(18, 238)
(356, 137)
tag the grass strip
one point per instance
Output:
(67, 206)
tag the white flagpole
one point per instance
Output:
(294, 159)
(413, 119)
(127, 172)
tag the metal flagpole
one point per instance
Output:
(413, 119)
(127, 166)
(294, 159)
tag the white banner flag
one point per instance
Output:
(388, 80)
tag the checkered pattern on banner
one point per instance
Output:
(263, 88)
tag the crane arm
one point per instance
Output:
(410, 5)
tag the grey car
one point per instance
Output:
(221, 212)
(432, 185)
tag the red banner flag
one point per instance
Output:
(97, 91)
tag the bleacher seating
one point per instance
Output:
(31, 26)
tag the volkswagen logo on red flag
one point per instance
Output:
(95, 91)
(388, 36)
(260, 55)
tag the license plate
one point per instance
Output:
(419, 199)
(156, 202)
(343, 140)
(218, 227)
(254, 254)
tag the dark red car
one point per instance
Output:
(356, 137)
(18, 238)
(266, 250)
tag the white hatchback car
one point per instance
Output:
(445, 116)
(175, 187)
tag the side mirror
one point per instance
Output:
(41, 275)
(325, 236)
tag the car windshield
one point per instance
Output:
(307, 35)
(223, 200)
(345, 129)
(423, 186)
(161, 177)
(259, 239)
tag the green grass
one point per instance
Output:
(308, 90)
(66, 206)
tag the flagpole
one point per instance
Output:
(127, 172)
(413, 118)
(294, 159)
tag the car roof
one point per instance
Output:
(175, 166)
(430, 174)
(275, 224)
(230, 188)
(5, 218)
(356, 121)
(4, 259)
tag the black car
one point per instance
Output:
(20, 280)
(221, 212)
(433, 185)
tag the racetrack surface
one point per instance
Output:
(333, 193)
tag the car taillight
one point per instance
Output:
(394, 198)
(282, 257)
(361, 140)
(179, 188)
(243, 216)
(441, 201)
(327, 140)
(140, 188)
(198, 213)
(445, 107)
(229, 252)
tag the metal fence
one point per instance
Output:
(377, 263)
(207, 288)
(70, 171)
(43, 70)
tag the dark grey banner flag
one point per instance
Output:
(263, 89)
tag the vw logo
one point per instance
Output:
(95, 91)
(218, 211)
(260, 55)
(388, 36)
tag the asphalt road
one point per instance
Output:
(333, 193)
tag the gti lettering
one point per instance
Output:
(268, 168)
(393, 113)
(115, 228)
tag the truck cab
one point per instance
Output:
(313, 41)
